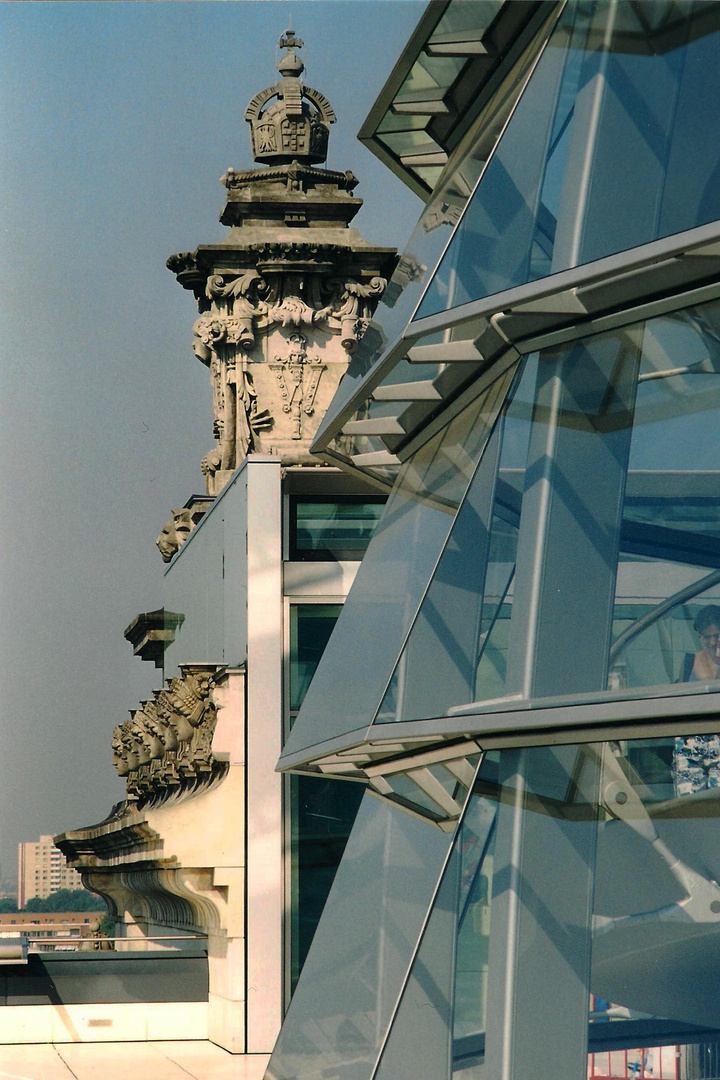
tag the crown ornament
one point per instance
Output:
(289, 121)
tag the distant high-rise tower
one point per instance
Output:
(42, 870)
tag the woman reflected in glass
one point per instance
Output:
(704, 665)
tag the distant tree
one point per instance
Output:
(107, 925)
(8, 904)
(67, 900)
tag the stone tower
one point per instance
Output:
(201, 851)
(285, 299)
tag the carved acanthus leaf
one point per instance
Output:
(294, 312)
(248, 284)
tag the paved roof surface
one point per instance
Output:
(118, 1061)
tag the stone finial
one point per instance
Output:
(296, 126)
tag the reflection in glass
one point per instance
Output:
(669, 570)
(394, 574)
(310, 628)
(608, 479)
(615, 93)
(322, 814)
(321, 811)
(437, 665)
(332, 527)
(616, 924)
(441, 214)
(359, 958)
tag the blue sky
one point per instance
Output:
(117, 120)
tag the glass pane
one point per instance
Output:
(338, 527)
(363, 947)
(392, 577)
(322, 813)
(206, 584)
(310, 628)
(620, 927)
(668, 584)
(630, 100)
(609, 482)
(439, 216)
(455, 651)
(322, 810)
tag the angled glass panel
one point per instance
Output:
(667, 601)
(456, 650)
(588, 559)
(363, 947)
(604, 953)
(452, 187)
(363, 650)
(441, 1014)
(606, 150)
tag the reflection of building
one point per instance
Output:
(42, 870)
(504, 675)
(211, 842)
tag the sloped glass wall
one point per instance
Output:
(585, 554)
(598, 933)
(624, 93)
(363, 650)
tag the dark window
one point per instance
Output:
(333, 527)
(322, 811)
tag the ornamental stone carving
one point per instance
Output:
(174, 533)
(297, 123)
(165, 748)
(298, 376)
(291, 265)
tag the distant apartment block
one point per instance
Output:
(42, 870)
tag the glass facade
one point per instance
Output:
(607, 949)
(641, 425)
(392, 577)
(533, 638)
(606, 150)
(438, 219)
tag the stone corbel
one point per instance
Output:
(160, 894)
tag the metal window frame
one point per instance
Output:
(514, 721)
(289, 602)
(626, 287)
